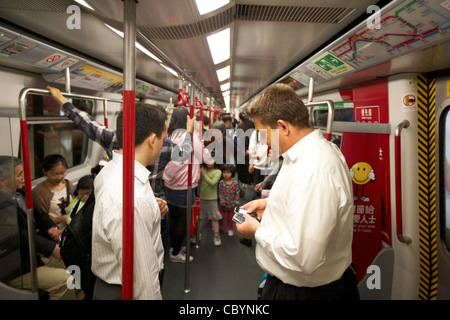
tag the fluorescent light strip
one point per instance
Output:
(169, 69)
(225, 86)
(224, 73)
(206, 6)
(84, 4)
(219, 45)
(144, 50)
(137, 44)
(227, 102)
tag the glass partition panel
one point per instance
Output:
(51, 132)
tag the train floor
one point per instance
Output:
(225, 272)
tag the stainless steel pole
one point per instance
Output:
(129, 99)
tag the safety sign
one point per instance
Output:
(65, 64)
(332, 65)
(409, 102)
(50, 60)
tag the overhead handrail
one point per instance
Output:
(398, 182)
(27, 171)
(328, 103)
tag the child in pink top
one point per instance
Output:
(228, 196)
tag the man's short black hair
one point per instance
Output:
(148, 119)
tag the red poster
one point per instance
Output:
(362, 152)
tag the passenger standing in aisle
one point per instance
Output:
(261, 165)
(304, 239)
(150, 131)
(107, 139)
(176, 180)
(228, 196)
(55, 193)
(209, 179)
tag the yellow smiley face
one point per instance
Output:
(361, 170)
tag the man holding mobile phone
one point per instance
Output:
(304, 229)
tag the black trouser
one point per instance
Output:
(344, 288)
(177, 228)
(106, 291)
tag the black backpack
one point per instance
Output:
(76, 244)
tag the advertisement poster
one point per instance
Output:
(362, 153)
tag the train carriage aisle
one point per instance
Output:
(226, 272)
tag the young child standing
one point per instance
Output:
(210, 176)
(228, 196)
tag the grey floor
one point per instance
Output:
(226, 272)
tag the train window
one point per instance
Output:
(445, 168)
(342, 112)
(50, 131)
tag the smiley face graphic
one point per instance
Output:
(362, 173)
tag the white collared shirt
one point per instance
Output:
(307, 227)
(107, 230)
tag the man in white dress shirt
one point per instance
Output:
(151, 129)
(304, 229)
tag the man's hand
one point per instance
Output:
(57, 254)
(162, 206)
(56, 94)
(256, 206)
(54, 233)
(248, 228)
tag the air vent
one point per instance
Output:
(44, 6)
(242, 12)
(291, 13)
(190, 30)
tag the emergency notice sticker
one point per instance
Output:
(409, 102)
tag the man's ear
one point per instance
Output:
(283, 127)
(151, 140)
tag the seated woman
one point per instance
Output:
(54, 194)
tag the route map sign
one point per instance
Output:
(409, 26)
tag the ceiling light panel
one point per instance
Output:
(219, 45)
(207, 6)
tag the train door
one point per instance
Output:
(443, 186)
(361, 130)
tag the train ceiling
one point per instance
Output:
(269, 39)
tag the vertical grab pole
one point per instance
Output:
(28, 191)
(189, 199)
(105, 112)
(328, 103)
(129, 96)
(398, 182)
(68, 80)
